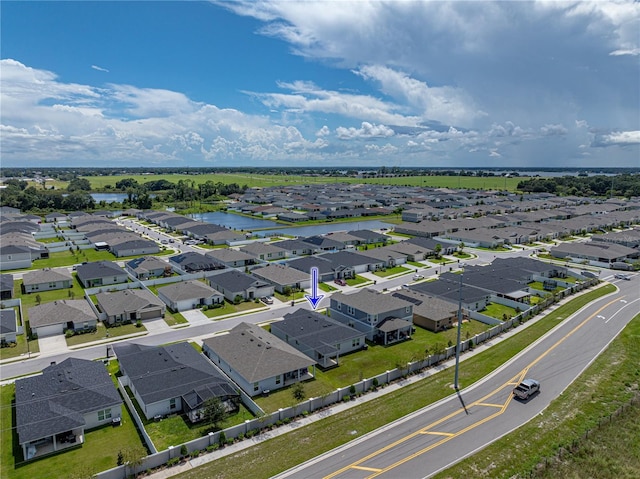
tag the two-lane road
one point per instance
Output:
(438, 436)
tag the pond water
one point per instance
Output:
(237, 222)
(234, 222)
(112, 197)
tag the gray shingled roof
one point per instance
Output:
(55, 401)
(61, 311)
(316, 330)
(127, 301)
(428, 306)
(98, 269)
(256, 354)
(234, 280)
(370, 301)
(164, 372)
(187, 290)
(6, 282)
(46, 275)
(280, 274)
(7, 321)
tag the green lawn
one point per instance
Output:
(21, 348)
(284, 298)
(327, 288)
(103, 333)
(31, 299)
(540, 287)
(66, 258)
(373, 361)
(357, 280)
(266, 459)
(173, 319)
(415, 263)
(392, 271)
(499, 311)
(98, 453)
(229, 308)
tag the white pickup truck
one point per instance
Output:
(526, 389)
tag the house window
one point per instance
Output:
(105, 414)
(256, 386)
(115, 278)
(351, 310)
(52, 285)
(172, 403)
(339, 306)
(278, 378)
(355, 342)
(407, 309)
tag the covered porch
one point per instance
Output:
(393, 330)
(57, 442)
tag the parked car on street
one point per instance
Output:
(526, 389)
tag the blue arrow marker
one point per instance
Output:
(315, 298)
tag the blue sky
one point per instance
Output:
(331, 83)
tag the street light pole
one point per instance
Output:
(455, 381)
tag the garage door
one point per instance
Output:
(154, 313)
(51, 330)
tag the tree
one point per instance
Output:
(298, 394)
(79, 184)
(214, 412)
(461, 246)
(438, 250)
(134, 457)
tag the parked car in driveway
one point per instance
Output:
(340, 282)
(267, 299)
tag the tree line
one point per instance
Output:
(626, 185)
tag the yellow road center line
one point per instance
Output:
(490, 405)
(437, 433)
(515, 380)
(362, 468)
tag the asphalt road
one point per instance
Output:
(440, 435)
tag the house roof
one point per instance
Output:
(305, 264)
(349, 259)
(46, 275)
(128, 300)
(184, 290)
(324, 242)
(428, 306)
(370, 301)
(316, 330)
(98, 269)
(128, 244)
(256, 249)
(164, 372)
(61, 311)
(6, 282)
(228, 255)
(56, 400)
(256, 354)
(191, 261)
(279, 274)
(7, 321)
(147, 263)
(233, 280)
(450, 290)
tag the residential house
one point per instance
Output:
(101, 273)
(186, 295)
(318, 336)
(430, 312)
(473, 299)
(382, 317)
(191, 262)
(133, 247)
(595, 252)
(324, 243)
(49, 319)
(46, 279)
(265, 251)
(8, 326)
(230, 258)
(296, 247)
(387, 255)
(147, 267)
(293, 217)
(223, 237)
(347, 264)
(14, 257)
(256, 360)
(325, 267)
(55, 408)
(233, 283)
(6, 286)
(283, 277)
(173, 379)
(368, 236)
(129, 305)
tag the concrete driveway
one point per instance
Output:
(157, 325)
(195, 316)
(53, 345)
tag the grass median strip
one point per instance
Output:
(267, 459)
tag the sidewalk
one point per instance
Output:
(337, 408)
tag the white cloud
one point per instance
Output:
(100, 69)
(619, 138)
(324, 131)
(366, 130)
(553, 130)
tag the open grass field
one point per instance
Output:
(266, 459)
(99, 183)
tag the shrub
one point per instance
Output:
(183, 450)
(375, 383)
(69, 333)
(173, 461)
(352, 389)
(223, 438)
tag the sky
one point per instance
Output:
(320, 83)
